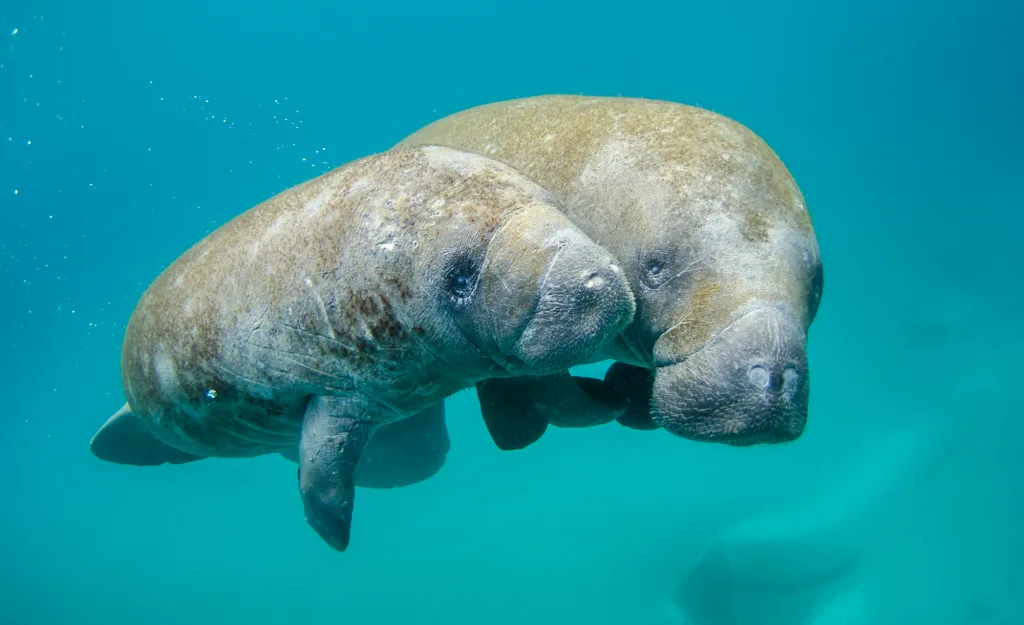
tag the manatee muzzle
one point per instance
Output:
(584, 302)
(748, 385)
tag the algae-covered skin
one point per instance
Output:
(714, 237)
(357, 299)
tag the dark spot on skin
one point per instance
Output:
(385, 325)
(400, 287)
(375, 312)
(754, 227)
(365, 305)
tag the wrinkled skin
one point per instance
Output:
(360, 298)
(714, 238)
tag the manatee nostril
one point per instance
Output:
(759, 376)
(594, 281)
(790, 378)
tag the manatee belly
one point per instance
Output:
(199, 405)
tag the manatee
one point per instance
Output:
(716, 241)
(354, 300)
(789, 566)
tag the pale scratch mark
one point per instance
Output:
(323, 308)
(237, 376)
(551, 267)
(685, 271)
(313, 206)
(256, 326)
(326, 374)
(332, 341)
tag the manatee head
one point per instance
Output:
(498, 278)
(710, 230)
(727, 274)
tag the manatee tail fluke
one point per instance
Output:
(124, 440)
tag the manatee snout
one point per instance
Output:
(584, 302)
(748, 385)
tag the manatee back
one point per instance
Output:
(566, 142)
(228, 343)
(186, 360)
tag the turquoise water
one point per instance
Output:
(128, 130)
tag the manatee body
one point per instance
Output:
(715, 239)
(793, 565)
(355, 300)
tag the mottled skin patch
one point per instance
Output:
(335, 287)
(707, 221)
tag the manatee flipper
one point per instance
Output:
(124, 439)
(509, 415)
(577, 401)
(335, 431)
(518, 410)
(624, 396)
(634, 386)
(401, 453)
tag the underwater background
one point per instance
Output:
(129, 130)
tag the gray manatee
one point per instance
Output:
(716, 241)
(359, 298)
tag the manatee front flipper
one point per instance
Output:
(509, 413)
(335, 431)
(518, 410)
(124, 439)
(634, 387)
(401, 453)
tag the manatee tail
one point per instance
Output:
(123, 439)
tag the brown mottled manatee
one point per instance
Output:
(355, 300)
(715, 240)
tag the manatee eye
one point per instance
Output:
(817, 288)
(654, 270)
(461, 278)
